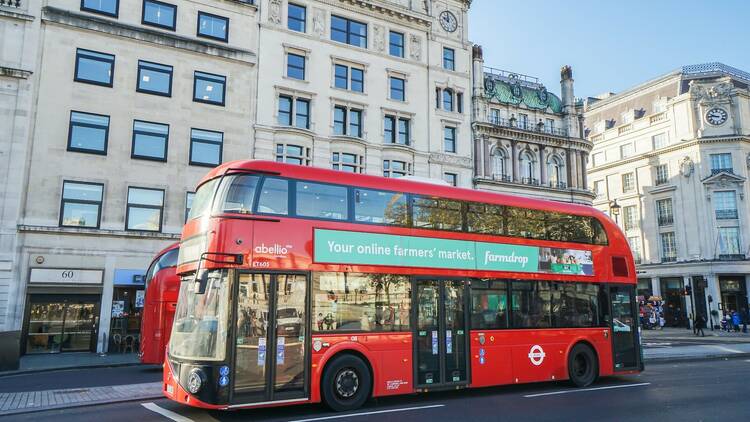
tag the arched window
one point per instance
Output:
(448, 99)
(498, 163)
(555, 171)
(527, 166)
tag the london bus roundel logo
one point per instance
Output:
(536, 355)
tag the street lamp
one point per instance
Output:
(614, 210)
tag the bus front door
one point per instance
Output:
(271, 352)
(441, 333)
(624, 327)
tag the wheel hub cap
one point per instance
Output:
(347, 383)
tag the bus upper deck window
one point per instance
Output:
(274, 197)
(239, 193)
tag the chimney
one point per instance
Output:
(570, 118)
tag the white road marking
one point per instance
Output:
(166, 413)
(351, 415)
(580, 390)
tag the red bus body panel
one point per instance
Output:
(391, 355)
(158, 312)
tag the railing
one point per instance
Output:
(530, 181)
(732, 257)
(10, 3)
(726, 214)
(510, 75)
(515, 124)
(658, 117)
(669, 259)
(625, 129)
(661, 181)
(501, 177)
(729, 170)
(558, 185)
(666, 220)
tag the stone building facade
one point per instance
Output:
(671, 155)
(527, 140)
(118, 108)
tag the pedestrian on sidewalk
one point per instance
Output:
(736, 321)
(662, 321)
(700, 324)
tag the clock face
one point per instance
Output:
(448, 21)
(716, 116)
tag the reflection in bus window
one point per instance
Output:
(438, 214)
(322, 201)
(531, 304)
(169, 259)
(485, 218)
(568, 228)
(239, 194)
(575, 305)
(274, 197)
(489, 305)
(202, 199)
(380, 207)
(526, 223)
(360, 302)
(200, 323)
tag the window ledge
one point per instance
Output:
(97, 232)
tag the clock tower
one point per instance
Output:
(714, 107)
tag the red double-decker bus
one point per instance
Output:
(160, 302)
(302, 285)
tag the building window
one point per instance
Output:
(729, 241)
(347, 121)
(549, 125)
(94, 68)
(348, 31)
(725, 204)
(721, 163)
(668, 247)
(527, 167)
(597, 159)
(209, 88)
(293, 154)
(81, 204)
(662, 174)
(664, 212)
(188, 204)
(88, 132)
(104, 7)
(298, 108)
(150, 140)
(344, 161)
(600, 189)
(630, 217)
(296, 18)
(449, 139)
(397, 130)
(162, 15)
(449, 58)
(628, 182)
(448, 100)
(498, 163)
(659, 141)
(346, 77)
(523, 121)
(295, 66)
(635, 248)
(394, 168)
(206, 147)
(626, 150)
(145, 208)
(555, 172)
(154, 78)
(451, 178)
(212, 26)
(398, 88)
(396, 44)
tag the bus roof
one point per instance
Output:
(165, 250)
(399, 185)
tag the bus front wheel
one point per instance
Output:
(583, 366)
(346, 383)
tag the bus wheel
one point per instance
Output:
(346, 383)
(583, 366)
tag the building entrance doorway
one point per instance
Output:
(61, 323)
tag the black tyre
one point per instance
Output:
(346, 383)
(583, 366)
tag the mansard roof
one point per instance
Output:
(513, 90)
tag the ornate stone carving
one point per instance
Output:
(720, 90)
(454, 160)
(566, 72)
(686, 167)
(379, 38)
(416, 47)
(274, 11)
(319, 22)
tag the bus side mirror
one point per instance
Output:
(201, 280)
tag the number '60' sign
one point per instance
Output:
(67, 274)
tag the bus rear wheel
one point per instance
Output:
(583, 366)
(346, 383)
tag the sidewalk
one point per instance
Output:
(715, 336)
(697, 352)
(49, 362)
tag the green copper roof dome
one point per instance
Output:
(513, 92)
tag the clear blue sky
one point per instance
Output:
(611, 44)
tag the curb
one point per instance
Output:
(73, 368)
(82, 404)
(676, 359)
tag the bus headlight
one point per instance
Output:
(195, 380)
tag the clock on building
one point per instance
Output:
(448, 21)
(716, 116)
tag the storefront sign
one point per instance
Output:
(65, 276)
(118, 308)
(125, 277)
(343, 247)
